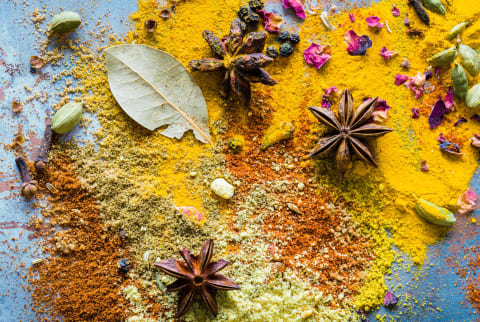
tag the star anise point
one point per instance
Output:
(197, 275)
(352, 127)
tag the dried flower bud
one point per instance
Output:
(405, 63)
(150, 25)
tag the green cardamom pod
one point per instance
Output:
(460, 81)
(435, 6)
(469, 59)
(457, 29)
(444, 57)
(473, 97)
(435, 214)
(67, 117)
(64, 22)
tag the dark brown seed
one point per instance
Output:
(150, 25)
(206, 64)
(215, 44)
(254, 42)
(252, 61)
(234, 39)
(258, 76)
(420, 10)
(415, 33)
(240, 87)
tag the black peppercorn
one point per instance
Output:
(286, 49)
(284, 36)
(33, 70)
(255, 5)
(294, 39)
(252, 19)
(243, 12)
(272, 51)
(124, 265)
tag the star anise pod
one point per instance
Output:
(197, 275)
(241, 58)
(351, 128)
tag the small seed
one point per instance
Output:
(150, 25)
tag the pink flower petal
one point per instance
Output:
(416, 84)
(317, 55)
(190, 212)
(395, 11)
(271, 21)
(296, 6)
(330, 90)
(357, 45)
(387, 54)
(326, 103)
(400, 79)
(374, 21)
(466, 202)
(352, 17)
(449, 103)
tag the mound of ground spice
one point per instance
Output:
(317, 243)
(79, 280)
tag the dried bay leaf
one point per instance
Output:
(155, 90)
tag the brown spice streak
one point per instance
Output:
(323, 238)
(79, 280)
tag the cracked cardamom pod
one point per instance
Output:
(457, 29)
(435, 6)
(460, 81)
(65, 21)
(435, 214)
(67, 117)
(469, 59)
(444, 57)
(473, 97)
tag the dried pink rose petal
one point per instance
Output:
(352, 17)
(390, 299)
(387, 54)
(395, 11)
(331, 90)
(475, 141)
(374, 22)
(449, 103)
(190, 212)
(466, 202)
(296, 6)
(400, 79)
(317, 55)
(416, 84)
(326, 102)
(380, 113)
(415, 113)
(357, 45)
(271, 21)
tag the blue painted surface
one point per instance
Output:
(436, 285)
(17, 40)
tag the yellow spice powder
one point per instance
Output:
(389, 192)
